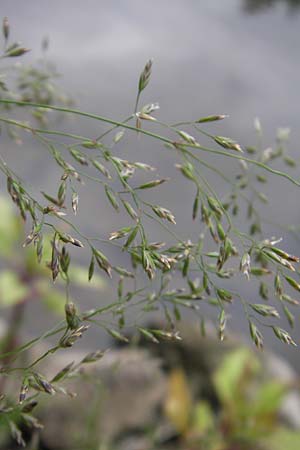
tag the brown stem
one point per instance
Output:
(11, 340)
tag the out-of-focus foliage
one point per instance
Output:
(247, 414)
(22, 278)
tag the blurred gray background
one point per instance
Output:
(238, 57)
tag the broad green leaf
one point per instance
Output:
(203, 417)
(12, 290)
(269, 398)
(229, 376)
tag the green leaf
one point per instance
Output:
(12, 290)
(229, 375)
(269, 398)
(203, 419)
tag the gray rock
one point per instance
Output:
(121, 392)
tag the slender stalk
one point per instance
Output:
(140, 130)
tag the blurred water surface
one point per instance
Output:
(210, 57)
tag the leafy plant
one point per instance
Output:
(24, 278)
(247, 416)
